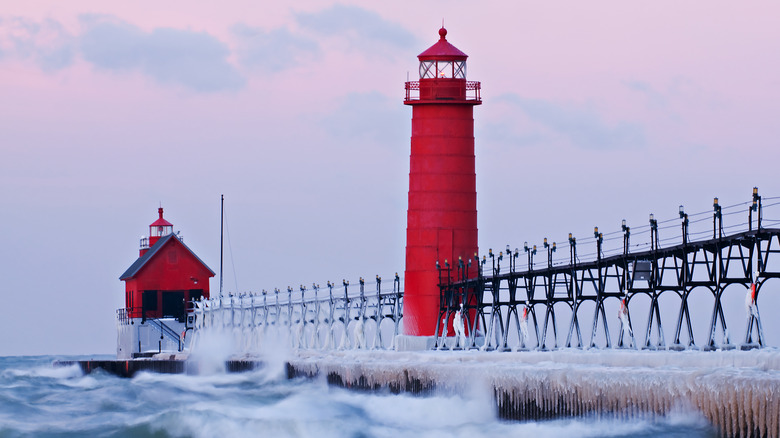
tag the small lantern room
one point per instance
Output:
(442, 60)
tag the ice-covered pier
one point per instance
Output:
(738, 392)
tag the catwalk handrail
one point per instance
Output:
(308, 317)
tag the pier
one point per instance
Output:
(738, 392)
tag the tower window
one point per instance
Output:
(427, 69)
(459, 70)
(444, 69)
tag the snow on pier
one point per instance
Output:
(738, 392)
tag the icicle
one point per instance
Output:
(360, 334)
(742, 400)
(460, 328)
(625, 326)
(774, 410)
(524, 328)
(762, 402)
(756, 413)
(721, 411)
(726, 411)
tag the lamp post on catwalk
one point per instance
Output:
(442, 214)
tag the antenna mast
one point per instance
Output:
(221, 238)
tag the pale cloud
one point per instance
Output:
(581, 126)
(47, 43)
(508, 134)
(363, 28)
(274, 50)
(655, 99)
(198, 60)
(369, 116)
(194, 60)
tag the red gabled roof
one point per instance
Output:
(442, 50)
(133, 270)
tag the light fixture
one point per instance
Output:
(754, 207)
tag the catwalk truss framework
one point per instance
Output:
(498, 306)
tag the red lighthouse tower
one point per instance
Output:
(442, 215)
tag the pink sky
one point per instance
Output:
(593, 112)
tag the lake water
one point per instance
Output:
(38, 400)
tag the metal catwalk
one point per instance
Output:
(503, 307)
(307, 318)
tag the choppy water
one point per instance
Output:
(38, 400)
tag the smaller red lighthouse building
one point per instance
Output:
(166, 276)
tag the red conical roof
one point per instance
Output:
(442, 50)
(160, 222)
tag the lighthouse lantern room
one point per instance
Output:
(158, 285)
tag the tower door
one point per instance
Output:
(173, 304)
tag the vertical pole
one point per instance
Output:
(378, 315)
(221, 237)
(397, 309)
(442, 310)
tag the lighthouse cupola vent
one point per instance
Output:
(157, 229)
